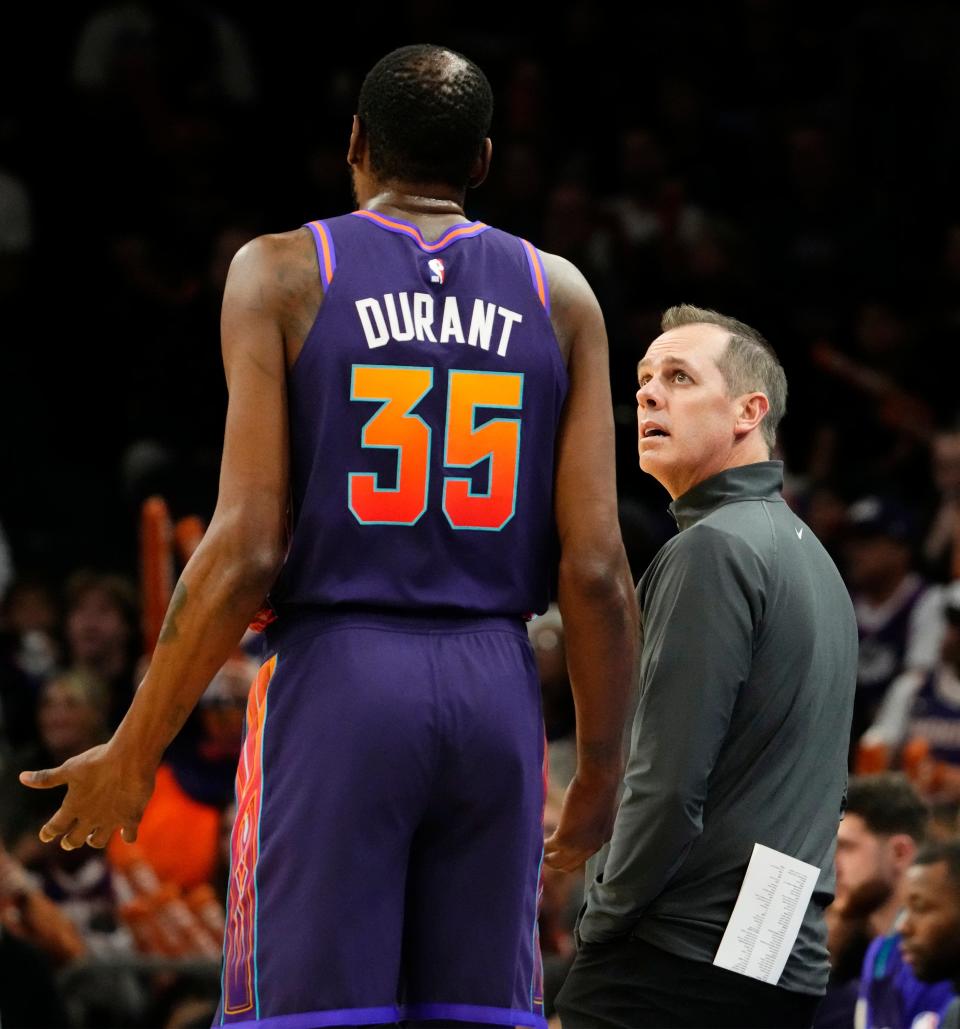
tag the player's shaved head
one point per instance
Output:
(426, 111)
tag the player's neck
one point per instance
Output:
(414, 202)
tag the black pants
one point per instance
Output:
(629, 984)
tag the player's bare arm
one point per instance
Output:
(595, 588)
(232, 569)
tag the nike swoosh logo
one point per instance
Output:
(799, 533)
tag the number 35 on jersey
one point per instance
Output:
(394, 426)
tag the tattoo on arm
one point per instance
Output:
(169, 632)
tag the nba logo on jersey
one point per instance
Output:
(437, 271)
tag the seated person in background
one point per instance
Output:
(103, 634)
(29, 654)
(34, 937)
(898, 615)
(28, 913)
(931, 925)
(884, 823)
(71, 717)
(848, 937)
(920, 719)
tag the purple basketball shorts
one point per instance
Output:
(385, 860)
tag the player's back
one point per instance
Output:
(423, 410)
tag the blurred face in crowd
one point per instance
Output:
(70, 718)
(687, 421)
(96, 627)
(931, 928)
(869, 865)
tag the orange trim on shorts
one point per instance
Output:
(240, 993)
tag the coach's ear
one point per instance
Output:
(481, 166)
(751, 410)
(358, 142)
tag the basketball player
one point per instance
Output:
(432, 396)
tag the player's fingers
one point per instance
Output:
(555, 855)
(565, 859)
(44, 778)
(76, 837)
(129, 833)
(98, 838)
(58, 825)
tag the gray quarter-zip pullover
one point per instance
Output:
(747, 676)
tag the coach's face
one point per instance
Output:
(687, 421)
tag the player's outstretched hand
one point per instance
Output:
(586, 823)
(105, 791)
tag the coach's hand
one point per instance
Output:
(106, 789)
(586, 822)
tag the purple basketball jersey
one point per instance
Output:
(423, 416)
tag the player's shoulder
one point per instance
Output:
(567, 283)
(272, 248)
(277, 261)
(574, 309)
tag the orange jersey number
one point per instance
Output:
(466, 445)
(395, 428)
(399, 389)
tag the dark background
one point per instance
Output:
(794, 165)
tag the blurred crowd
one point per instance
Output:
(68, 668)
(787, 164)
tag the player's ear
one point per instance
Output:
(358, 142)
(481, 166)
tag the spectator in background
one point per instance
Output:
(848, 938)
(920, 717)
(931, 926)
(29, 652)
(103, 634)
(884, 824)
(71, 717)
(898, 616)
(34, 937)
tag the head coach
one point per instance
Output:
(746, 689)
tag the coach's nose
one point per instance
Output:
(649, 397)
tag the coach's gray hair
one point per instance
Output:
(748, 365)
